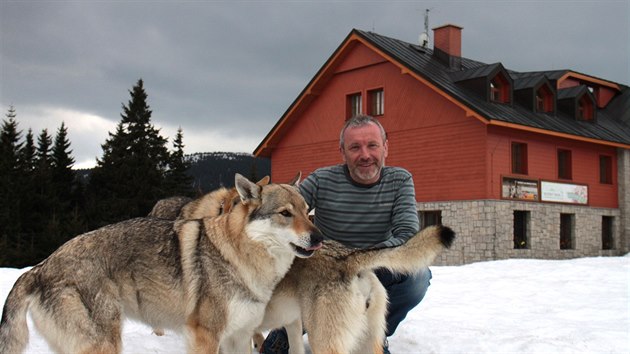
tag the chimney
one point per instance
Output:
(447, 45)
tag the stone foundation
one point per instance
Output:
(485, 230)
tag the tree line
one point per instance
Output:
(43, 203)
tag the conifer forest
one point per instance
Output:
(44, 202)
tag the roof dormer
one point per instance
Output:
(602, 91)
(500, 88)
(578, 102)
(536, 94)
(490, 81)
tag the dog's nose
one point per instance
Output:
(316, 237)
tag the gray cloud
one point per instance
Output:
(233, 67)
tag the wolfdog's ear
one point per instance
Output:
(264, 181)
(296, 180)
(246, 189)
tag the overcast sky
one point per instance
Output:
(226, 71)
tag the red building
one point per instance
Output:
(520, 164)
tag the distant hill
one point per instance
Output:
(211, 170)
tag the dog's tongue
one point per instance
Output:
(315, 248)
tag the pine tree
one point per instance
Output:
(43, 239)
(129, 178)
(27, 153)
(29, 198)
(178, 181)
(62, 174)
(65, 189)
(43, 164)
(11, 239)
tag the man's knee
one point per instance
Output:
(405, 290)
(413, 289)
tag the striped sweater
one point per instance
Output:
(380, 215)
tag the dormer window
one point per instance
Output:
(584, 109)
(544, 100)
(494, 92)
(577, 102)
(499, 89)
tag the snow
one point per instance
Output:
(510, 306)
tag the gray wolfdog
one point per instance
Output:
(212, 277)
(335, 294)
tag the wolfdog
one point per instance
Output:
(212, 277)
(336, 297)
(335, 294)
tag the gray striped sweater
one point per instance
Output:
(380, 215)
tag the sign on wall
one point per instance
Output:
(563, 192)
(522, 189)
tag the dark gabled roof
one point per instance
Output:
(612, 125)
(572, 92)
(620, 106)
(528, 82)
(476, 72)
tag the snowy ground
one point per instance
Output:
(511, 306)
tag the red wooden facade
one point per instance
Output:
(452, 152)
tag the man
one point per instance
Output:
(363, 203)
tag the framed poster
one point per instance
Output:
(520, 189)
(558, 192)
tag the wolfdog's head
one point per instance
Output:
(278, 215)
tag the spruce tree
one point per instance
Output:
(11, 239)
(29, 197)
(62, 174)
(43, 164)
(178, 181)
(65, 188)
(44, 238)
(129, 178)
(27, 153)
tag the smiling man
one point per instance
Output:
(364, 204)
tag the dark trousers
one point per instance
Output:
(404, 292)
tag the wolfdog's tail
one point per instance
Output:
(417, 253)
(13, 328)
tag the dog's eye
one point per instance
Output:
(286, 214)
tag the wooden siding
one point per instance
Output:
(428, 135)
(447, 161)
(542, 163)
(452, 156)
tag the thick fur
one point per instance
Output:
(335, 293)
(211, 277)
(169, 208)
(212, 204)
(337, 297)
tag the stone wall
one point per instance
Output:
(623, 181)
(485, 230)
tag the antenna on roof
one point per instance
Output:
(424, 36)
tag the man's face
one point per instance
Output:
(364, 151)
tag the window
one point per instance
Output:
(499, 89)
(376, 102)
(430, 217)
(521, 229)
(607, 233)
(353, 105)
(519, 158)
(540, 102)
(567, 227)
(544, 100)
(564, 164)
(495, 92)
(605, 169)
(585, 109)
